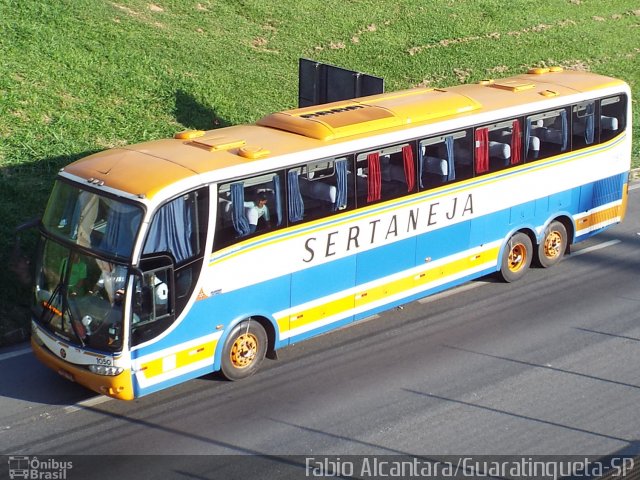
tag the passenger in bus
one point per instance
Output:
(256, 210)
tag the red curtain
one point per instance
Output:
(374, 178)
(409, 167)
(516, 143)
(482, 150)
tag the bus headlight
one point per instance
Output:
(105, 370)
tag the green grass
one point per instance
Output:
(78, 76)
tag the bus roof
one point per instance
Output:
(146, 168)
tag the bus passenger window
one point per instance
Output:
(247, 207)
(612, 117)
(546, 134)
(385, 174)
(319, 189)
(584, 130)
(505, 140)
(445, 159)
(179, 227)
(368, 178)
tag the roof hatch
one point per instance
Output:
(512, 85)
(352, 117)
(216, 142)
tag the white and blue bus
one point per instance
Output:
(171, 259)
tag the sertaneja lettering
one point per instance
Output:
(388, 228)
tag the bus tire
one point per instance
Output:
(553, 245)
(244, 350)
(516, 258)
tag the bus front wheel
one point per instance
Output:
(552, 247)
(516, 258)
(244, 350)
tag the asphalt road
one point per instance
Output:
(545, 366)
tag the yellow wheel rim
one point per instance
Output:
(553, 244)
(517, 257)
(244, 350)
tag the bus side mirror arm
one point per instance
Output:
(29, 224)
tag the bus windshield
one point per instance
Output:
(80, 297)
(101, 224)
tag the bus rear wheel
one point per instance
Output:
(516, 258)
(244, 350)
(553, 245)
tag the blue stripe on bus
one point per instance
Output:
(322, 280)
(139, 391)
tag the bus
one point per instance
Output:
(167, 260)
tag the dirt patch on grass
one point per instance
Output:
(260, 44)
(355, 38)
(138, 15)
(127, 10)
(447, 42)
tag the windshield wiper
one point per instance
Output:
(67, 309)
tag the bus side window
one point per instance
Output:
(179, 229)
(445, 159)
(319, 189)
(225, 233)
(386, 173)
(612, 117)
(546, 134)
(584, 128)
(368, 178)
(505, 140)
(398, 171)
(153, 303)
(247, 207)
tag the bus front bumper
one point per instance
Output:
(118, 386)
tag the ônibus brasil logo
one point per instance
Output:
(21, 466)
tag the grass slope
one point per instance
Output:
(78, 76)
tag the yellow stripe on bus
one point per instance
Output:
(607, 216)
(391, 288)
(625, 199)
(178, 359)
(317, 313)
